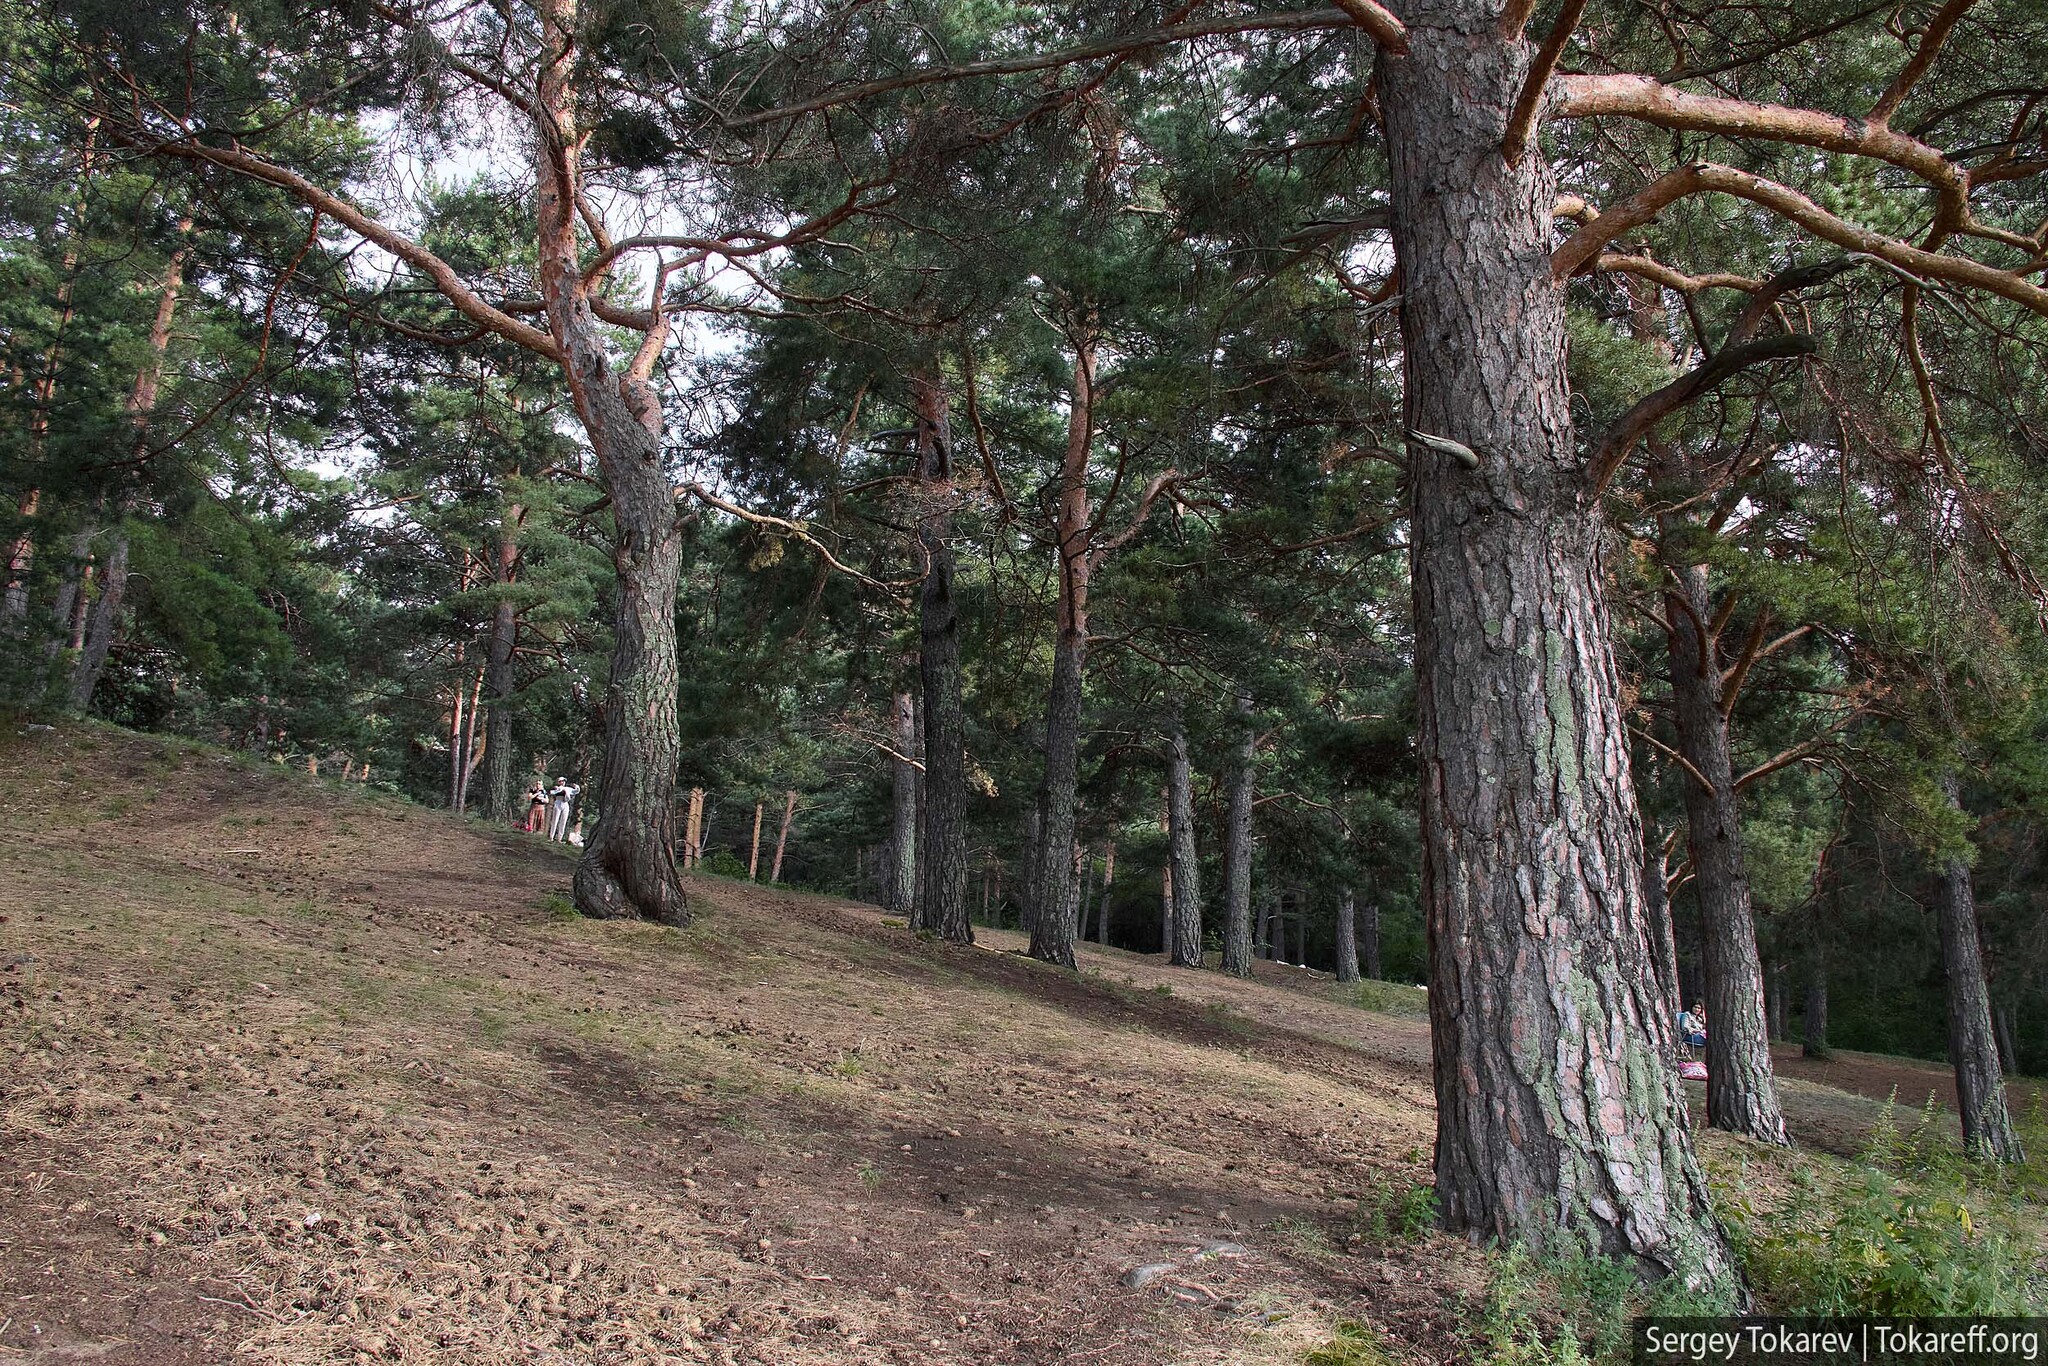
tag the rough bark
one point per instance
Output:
(1237, 850)
(1187, 879)
(899, 881)
(941, 896)
(628, 866)
(1557, 1112)
(1972, 1046)
(1052, 931)
(1347, 936)
(1663, 933)
(1742, 1091)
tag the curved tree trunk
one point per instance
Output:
(1347, 936)
(98, 637)
(1052, 929)
(1557, 1112)
(1972, 1046)
(1237, 851)
(1187, 873)
(628, 866)
(941, 896)
(1742, 1091)
(899, 880)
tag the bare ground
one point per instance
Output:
(294, 1073)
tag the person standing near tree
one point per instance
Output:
(558, 809)
(536, 806)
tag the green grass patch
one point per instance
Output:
(1351, 1344)
(1389, 998)
(555, 906)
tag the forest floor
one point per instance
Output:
(297, 1073)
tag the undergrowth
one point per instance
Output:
(1912, 1228)
(1389, 998)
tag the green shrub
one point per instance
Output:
(723, 863)
(1914, 1228)
(1570, 1307)
(1398, 1214)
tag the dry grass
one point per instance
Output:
(297, 1074)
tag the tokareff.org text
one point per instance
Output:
(1867, 1342)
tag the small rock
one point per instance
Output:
(1144, 1274)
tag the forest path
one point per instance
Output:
(299, 1073)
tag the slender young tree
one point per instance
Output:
(1237, 847)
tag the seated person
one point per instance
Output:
(1692, 1027)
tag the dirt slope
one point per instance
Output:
(293, 1073)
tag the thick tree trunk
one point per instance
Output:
(1237, 850)
(941, 895)
(1972, 1047)
(1742, 1091)
(1347, 936)
(1369, 940)
(1187, 872)
(899, 882)
(1557, 1113)
(628, 866)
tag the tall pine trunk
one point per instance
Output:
(899, 878)
(501, 797)
(1557, 1112)
(1814, 1043)
(1663, 932)
(1347, 936)
(628, 866)
(1052, 928)
(1237, 849)
(1972, 1046)
(1187, 880)
(941, 894)
(1369, 940)
(1742, 1091)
